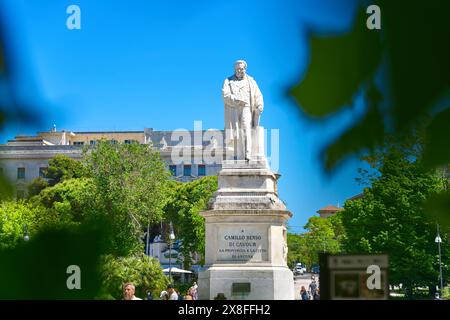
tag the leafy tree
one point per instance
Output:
(187, 200)
(390, 218)
(298, 250)
(36, 186)
(131, 183)
(322, 235)
(144, 272)
(61, 168)
(340, 235)
(70, 201)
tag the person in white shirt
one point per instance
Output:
(128, 292)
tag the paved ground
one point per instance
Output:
(303, 280)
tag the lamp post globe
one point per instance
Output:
(26, 237)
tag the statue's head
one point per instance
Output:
(240, 68)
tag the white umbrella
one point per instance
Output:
(176, 270)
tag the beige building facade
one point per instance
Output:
(24, 158)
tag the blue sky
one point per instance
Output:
(137, 64)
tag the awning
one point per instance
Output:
(176, 270)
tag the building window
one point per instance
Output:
(78, 143)
(201, 170)
(187, 169)
(128, 141)
(173, 169)
(114, 141)
(42, 172)
(20, 194)
(93, 142)
(20, 173)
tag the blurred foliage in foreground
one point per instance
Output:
(37, 269)
(403, 70)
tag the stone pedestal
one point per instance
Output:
(246, 246)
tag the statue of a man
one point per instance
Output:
(243, 107)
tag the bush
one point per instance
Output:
(446, 293)
(13, 217)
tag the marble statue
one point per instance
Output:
(245, 220)
(243, 107)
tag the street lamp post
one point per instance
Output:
(438, 240)
(26, 237)
(171, 238)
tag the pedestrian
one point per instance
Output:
(195, 293)
(317, 295)
(180, 296)
(164, 295)
(172, 295)
(191, 292)
(189, 295)
(128, 292)
(304, 294)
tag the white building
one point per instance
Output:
(24, 158)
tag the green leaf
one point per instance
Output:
(366, 134)
(437, 147)
(37, 269)
(438, 208)
(418, 51)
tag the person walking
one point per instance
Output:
(164, 295)
(172, 294)
(317, 295)
(313, 287)
(180, 296)
(191, 293)
(195, 292)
